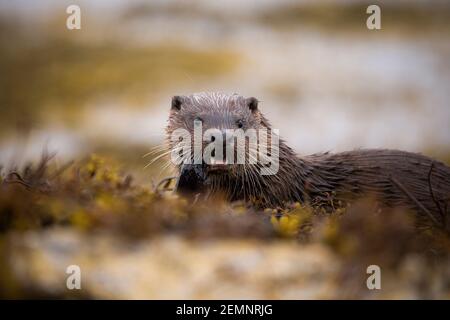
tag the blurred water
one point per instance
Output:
(324, 89)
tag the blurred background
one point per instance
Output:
(323, 78)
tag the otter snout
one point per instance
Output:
(219, 161)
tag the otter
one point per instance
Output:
(395, 178)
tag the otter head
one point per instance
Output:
(204, 128)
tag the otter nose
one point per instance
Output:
(224, 145)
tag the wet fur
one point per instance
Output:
(395, 178)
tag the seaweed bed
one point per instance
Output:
(134, 241)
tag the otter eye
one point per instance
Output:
(240, 124)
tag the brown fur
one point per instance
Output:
(395, 178)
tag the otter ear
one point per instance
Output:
(176, 102)
(252, 103)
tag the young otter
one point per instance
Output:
(396, 178)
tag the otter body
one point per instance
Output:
(395, 178)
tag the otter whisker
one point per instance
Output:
(156, 150)
(161, 156)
